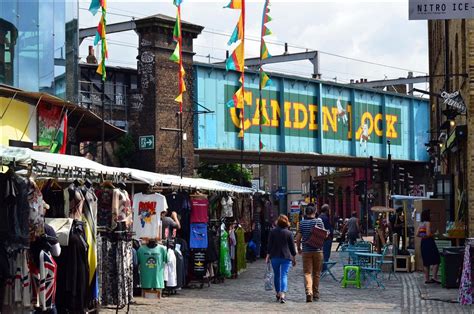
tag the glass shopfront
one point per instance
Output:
(38, 45)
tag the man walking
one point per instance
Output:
(312, 257)
(325, 209)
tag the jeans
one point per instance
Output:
(281, 267)
(312, 265)
(327, 251)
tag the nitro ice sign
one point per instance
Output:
(440, 9)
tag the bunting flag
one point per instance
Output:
(100, 35)
(177, 54)
(264, 78)
(236, 4)
(236, 61)
(238, 32)
(95, 6)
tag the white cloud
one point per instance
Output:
(376, 31)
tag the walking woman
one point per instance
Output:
(429, 250)
(281, 253)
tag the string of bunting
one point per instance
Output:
(178, 54)
(101, 34)
(236, 60)
(264, 78)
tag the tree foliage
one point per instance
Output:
(126, 150)
(228, 173)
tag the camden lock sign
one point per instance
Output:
(440, 9)
(301, 117)
(454, 102)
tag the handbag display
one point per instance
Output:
(62, 227)
(317, 237)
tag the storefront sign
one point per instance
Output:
(147, 142)
(454, 101)
(301, 116)
(440, 9)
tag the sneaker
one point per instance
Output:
(282, 300)
(309, 298)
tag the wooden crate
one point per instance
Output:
(151, 293)
(403, 263)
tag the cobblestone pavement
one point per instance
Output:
(246, 294)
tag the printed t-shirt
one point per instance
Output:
(152, 266)
(146, 214)
(199, 208)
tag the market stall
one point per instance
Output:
(103, 216)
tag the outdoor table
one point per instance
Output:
(353, 250)
(372, 256)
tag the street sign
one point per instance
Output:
(147, 142)
(280, 193)
(440, 9)
(454, 102)
(256, 184)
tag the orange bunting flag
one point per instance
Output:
(236, 60)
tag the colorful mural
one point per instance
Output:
(310, 116)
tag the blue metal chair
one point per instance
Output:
(327, 271)
(383, 261)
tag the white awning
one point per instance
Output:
(27, 156)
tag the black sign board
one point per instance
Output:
(14, 143)
(454, 102)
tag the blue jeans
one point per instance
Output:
(281, 267)
(327, 251)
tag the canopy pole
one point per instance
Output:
(8, 106)
(31, 116)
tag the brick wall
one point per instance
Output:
(459, 164)
(154, 107)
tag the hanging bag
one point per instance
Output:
(268, 278)
(317, 237)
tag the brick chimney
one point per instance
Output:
(91, 59)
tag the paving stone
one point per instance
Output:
(247, 294)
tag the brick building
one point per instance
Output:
(451, 55)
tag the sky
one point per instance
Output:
(378, 32)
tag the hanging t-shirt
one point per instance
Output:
(227, 203)
(170, 270)
(199, 208)
(152, 266)
(121, 207)
(146, 214)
